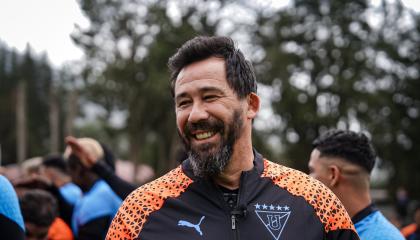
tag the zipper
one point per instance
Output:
(238, 212)
(233, 222)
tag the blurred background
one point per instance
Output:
(97, 68)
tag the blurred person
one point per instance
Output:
(225, 189)
(55, 169)
(412, 231)
(93, 212)
(40, 214)
(401, 204)
(343, 161)
(13, 172)
(11, 221)
(103, 165)
(31, 167)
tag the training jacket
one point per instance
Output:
(274, 202)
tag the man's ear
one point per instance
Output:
(253, 105)
(334, 175)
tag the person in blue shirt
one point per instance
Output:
(343, 160)
(11, 221)
(94, 211)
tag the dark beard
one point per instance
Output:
(210, 160)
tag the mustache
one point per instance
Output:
(213, 125)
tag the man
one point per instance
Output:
(225, 189)
(11, 220)
(39, 210)
(94, 211)
(343, 161)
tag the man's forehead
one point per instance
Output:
(209, 68)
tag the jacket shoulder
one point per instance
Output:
(133, 213)
(327, 206)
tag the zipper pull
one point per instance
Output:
(233, 222)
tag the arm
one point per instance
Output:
(118, 185)
(89, 160)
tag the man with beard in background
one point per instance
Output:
(225, 189)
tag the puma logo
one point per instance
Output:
(195, 226)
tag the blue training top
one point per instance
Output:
(99, 201)
(9, 204)
(374, 226)
(70, 192)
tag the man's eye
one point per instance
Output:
(210, 97)
(183, 103)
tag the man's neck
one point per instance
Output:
(242, 160)
(355, 201)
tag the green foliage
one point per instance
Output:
(36, 73)
(128, 45)
(333, 68)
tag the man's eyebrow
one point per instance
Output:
(181, 95)
(201, 90)
(210, 89)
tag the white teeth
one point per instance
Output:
(204, 135)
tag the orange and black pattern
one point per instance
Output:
(133, 213)
(326, 205)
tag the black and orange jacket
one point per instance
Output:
(274, 202)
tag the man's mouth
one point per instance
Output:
(204, 135)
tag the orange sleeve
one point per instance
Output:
(407, 230)
(327, 206)
(133, 213)
(60, 230)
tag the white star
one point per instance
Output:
(278, 208)
(271, 207)
(286, 208)
(264, 206)
(257, 206)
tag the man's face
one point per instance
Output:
(209, 115)
(318, 168)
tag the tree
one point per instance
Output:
(332, 67)
(26, 87)
(128, 45)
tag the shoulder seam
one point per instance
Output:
(326, 205)
(145, 200)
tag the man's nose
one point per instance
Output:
(198, 112)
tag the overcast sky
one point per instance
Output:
(46, 25)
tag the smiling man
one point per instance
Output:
(225, 189)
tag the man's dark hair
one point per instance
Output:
(239, 72)
(38, 207)
(353, 147)
(55, 161)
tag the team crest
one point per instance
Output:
(273, 217)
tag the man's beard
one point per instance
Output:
(210, 159)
